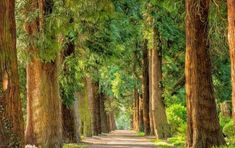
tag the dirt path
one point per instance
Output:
(119, 139)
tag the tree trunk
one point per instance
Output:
(203, 129)
(141, 114)
(71, 133)
(136, 110)
(89, 96)
(103, 114)
(150, 92)
(231, 40)
(11, 117)
(111, 120)
(145, 88)
(159, 113)
(96, 109)
(44, 123)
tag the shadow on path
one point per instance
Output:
(119, 139)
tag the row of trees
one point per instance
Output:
(59, 36)
(203, 129)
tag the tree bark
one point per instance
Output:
(103, 114)
(71, 133)
(136, 110)
(11, 117)
(44, 122)
(150, 92)
(203, 129)
(96, 110)
(141, 114)
(159, 113)
(111, 120)
(231, 40)
(89, 94)
(145, 88)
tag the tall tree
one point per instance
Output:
(96, 109)
(231, 40)
(11, 117)
(44, 125)
(159, 111)
(145, 88)
(203, 129)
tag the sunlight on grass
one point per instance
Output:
(162, 143)
(74, 146)
(141, 134)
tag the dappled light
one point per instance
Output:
(117, 73)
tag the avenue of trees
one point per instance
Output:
(79, 68)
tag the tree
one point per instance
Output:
(203, 128)
(11, 117)
(231, 40)
(159, 113)
(44, 123)
(145, 88)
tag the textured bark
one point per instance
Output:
(141, 114)
(203, 128)
(96, 109)
(44, 123)
(11, 117)
(159, 113)
(89, 95)
(43, 105)
(136, 110)
(71, 133)
(111, 120)
(150, 92)
(231, 40)
(145, 88)
(103, 114)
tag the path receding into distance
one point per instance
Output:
(119, 139)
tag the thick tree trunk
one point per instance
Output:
(11, 117)
(103, 114)
(44, 123)
(159, 112)
(150, 92)
(71, 133)
(203, 128)
(96, 109)
(231, 40)
(145, 88)
(89, 95)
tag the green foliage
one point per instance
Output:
(123, 119)
(177, 141)
(229, 129)
(176, 115)
(141, 134)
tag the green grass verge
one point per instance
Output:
(141, 134)
(74, 146)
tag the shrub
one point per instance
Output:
(176, 115)
(229, 129)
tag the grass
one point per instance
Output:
(141, 134)
(74, 146)
(177, 141)
(162, 143)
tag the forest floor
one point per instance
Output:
(119, 139)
